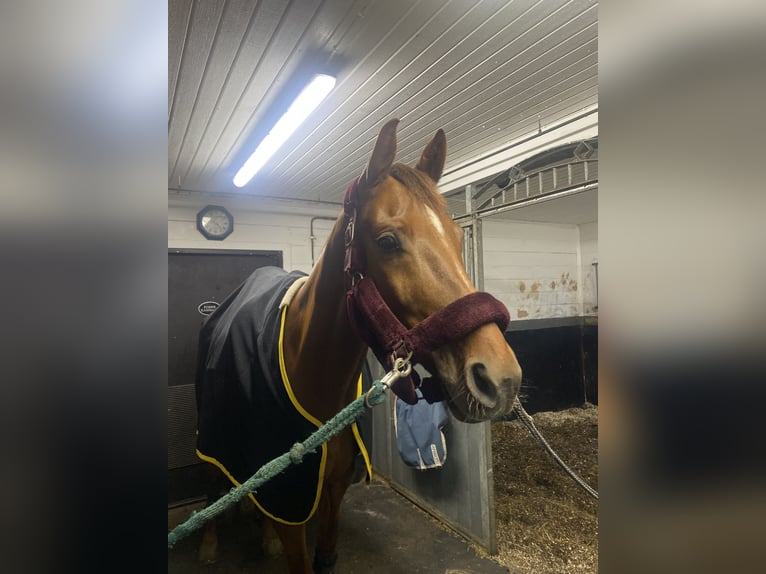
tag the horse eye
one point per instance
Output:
(388, 242)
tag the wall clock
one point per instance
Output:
(215, 222)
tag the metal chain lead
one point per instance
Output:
(529, 423)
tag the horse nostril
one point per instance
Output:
(481, 386)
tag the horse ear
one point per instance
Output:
(383, 155)
(432, 160)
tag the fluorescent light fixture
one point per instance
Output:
(306, 102)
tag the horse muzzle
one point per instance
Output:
(482, 398)
(482, 378)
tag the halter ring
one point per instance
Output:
(402, 368)
(367, 396)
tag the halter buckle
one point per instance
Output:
(356, 277)
(350, 230)
(400, 349)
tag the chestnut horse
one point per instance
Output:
(407, 246)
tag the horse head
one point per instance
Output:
(412, 252)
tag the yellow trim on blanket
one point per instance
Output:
(358, 436)
(311, 419)
(286, 380)
(222, 468)
(233, 480)
(306, 414)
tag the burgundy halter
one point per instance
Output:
(376, 324)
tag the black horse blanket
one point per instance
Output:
(247, 412)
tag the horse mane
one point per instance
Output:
(419, 184)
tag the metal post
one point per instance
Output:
(595, 267)
(468, 250)
(478, 253)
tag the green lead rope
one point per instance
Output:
(336, 424)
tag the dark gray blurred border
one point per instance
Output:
(83, 240)
(681, 276)
(83, 127)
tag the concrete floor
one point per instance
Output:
(380, 533)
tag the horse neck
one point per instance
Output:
(323, 355)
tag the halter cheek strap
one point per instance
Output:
(389, 339)
(354, 261)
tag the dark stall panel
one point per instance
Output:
(590, 360)
(559, 360)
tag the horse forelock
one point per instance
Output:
(419, 185)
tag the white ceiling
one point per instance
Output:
(488, 72)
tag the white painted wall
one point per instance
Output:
(255, 227)
(539, 269)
